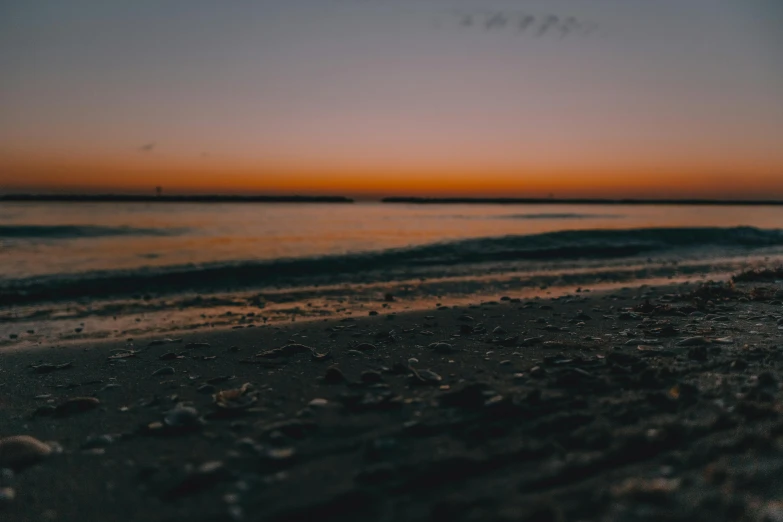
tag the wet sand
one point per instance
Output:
(652, 403)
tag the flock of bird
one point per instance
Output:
(538, 26)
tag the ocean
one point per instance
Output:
(326, 259)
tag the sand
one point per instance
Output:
(642, 404)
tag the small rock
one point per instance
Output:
(76, 405)
(183, 417)
(278, 454)
(371, 377)
(20, 451)
(333, 375)
(537, 372)
(166, 370)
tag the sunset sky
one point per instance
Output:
(606, 98)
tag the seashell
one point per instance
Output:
(7, 496)
(234, 401)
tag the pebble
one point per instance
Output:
(7, 496)
(537, 372)
(20, 451)
(98, 441)
(371, 377)
(318, 403)
(442, 347)
(333, 375)
(166, 370)
(74, 406)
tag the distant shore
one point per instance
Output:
(131, 198)
(579, 201)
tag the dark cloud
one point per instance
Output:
(148, 147)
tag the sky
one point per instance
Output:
(606, 98)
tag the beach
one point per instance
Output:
(639, 403)
(386, 261)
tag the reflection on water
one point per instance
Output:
(134, 236)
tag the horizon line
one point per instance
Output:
(296, 198)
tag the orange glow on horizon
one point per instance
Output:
(139, 175)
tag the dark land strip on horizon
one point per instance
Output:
(131, 198)
(581, 201)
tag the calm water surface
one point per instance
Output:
(61, 238)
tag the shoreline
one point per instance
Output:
(636, 404)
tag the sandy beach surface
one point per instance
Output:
(650, 403)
